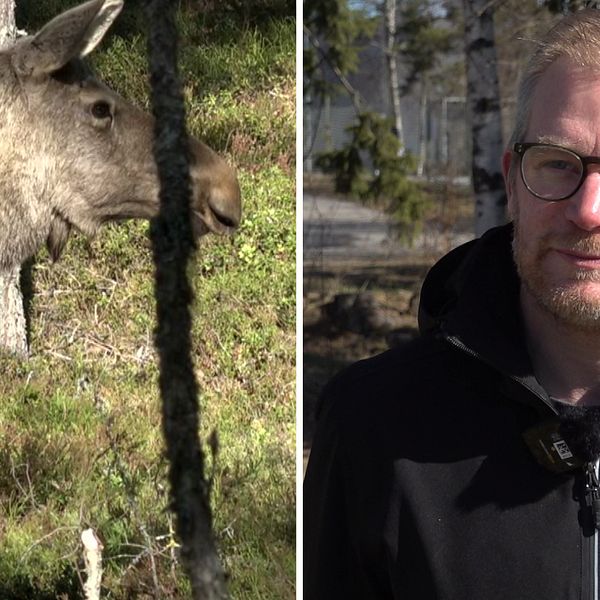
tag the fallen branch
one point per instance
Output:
(92, 556)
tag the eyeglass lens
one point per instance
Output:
(551, 173)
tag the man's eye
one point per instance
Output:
(559, 165)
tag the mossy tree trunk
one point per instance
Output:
(13, 328)
(172, 242)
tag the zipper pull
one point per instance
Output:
(592, 493)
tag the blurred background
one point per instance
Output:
(408, 107)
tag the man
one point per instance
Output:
(464, 465)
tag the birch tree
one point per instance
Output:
(390, 22)
(483, 105)
(421, 42)
(412, 44)
(13, 329)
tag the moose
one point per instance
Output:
(75, 155)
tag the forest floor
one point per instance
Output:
(81, 441)
(353, 249)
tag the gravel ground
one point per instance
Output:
(348, 247)
(337, 230)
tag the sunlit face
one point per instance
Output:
(557, 244)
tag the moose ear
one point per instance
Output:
(73, 34)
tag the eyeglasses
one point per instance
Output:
(551, 172)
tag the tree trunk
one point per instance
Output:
(172, 243)
(13, 327)
(391, 59)
(423, 126)
(483, 105)
(8, 28)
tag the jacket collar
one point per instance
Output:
(471, 298)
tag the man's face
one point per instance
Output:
(557, 244)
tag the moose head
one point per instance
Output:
(74, 154)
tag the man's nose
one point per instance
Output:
(583, 208)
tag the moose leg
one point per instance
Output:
(13, 325)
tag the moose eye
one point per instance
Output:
(101, 110)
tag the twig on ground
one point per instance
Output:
(92, 555)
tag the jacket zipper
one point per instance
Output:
(592, 503)
(454, 341)
(591, 491)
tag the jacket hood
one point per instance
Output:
(472, 273)
(471, 298)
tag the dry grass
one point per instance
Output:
(80, 422)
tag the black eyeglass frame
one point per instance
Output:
(521, 147)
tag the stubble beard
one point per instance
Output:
(568, 302)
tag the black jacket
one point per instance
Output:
(419, 484)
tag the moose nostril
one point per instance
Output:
(225, 221)
(225, 206)
(225, 217)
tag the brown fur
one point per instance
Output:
(64, 165)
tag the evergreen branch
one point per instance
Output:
(356, 97)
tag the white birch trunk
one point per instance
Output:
(13, 325)
(8, 28)
(423, 127)
(13, 329)
(391, 59)
(483, 105)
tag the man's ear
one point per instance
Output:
(509, 178)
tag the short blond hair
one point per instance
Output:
(577, 37)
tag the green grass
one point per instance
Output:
(80, 427)
(240, 93)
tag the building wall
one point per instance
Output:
(445, 133)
